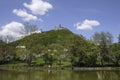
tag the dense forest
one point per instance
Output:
(60, 48)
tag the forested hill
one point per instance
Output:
(61, 47)
(54, 46)
(63, 38)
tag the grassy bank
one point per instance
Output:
(6, 67)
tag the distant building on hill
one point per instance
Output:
(22, 47)
(59, 27)
(39, 31)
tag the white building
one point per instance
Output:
(59, 27)
(39, 31)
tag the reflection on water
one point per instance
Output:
(59, 75)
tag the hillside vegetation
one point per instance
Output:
(59, 48)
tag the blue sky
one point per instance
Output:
(80, 16)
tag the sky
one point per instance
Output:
(80, 16)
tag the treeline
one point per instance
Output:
(61, 47)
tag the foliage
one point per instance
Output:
(28, 28)
(119, 38)
(115, 56)
(61, 48)
(105, 37)
(104, 41)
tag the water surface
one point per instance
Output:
(59, 75)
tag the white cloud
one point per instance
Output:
(24, 15)
(87, 24)
(13, 29)
(38, 7)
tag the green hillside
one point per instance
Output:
(60, 48)
(54, 43)
(50, 39)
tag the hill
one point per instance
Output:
(53, 45)
(59, 47)
(50, 39)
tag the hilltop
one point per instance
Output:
(61, 37)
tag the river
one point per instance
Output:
(59, 75)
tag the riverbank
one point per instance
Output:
(57, 68)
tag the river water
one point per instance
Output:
(59, 75)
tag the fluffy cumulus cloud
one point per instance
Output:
(13, 29)
(24, 15)
(87, 24)
(38, 7)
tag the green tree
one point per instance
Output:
(115, 56)
(96, 38)
(2, 51)
(78, 50)
(91, 54)
(119, 38)
(29, 28)
(103, 36)
(104, 41)
(48, 57)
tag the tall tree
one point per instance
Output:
(119, 38)
(104, 41)
(8, 39)
(2, 51)
(97, 38)
(78, 50)
(103, 36)
(29, 28)
(115, 56)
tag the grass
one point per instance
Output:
(63, 64)
(39, 62)
(15, 64)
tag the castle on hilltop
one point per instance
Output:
(38, 31)
(59, 27)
